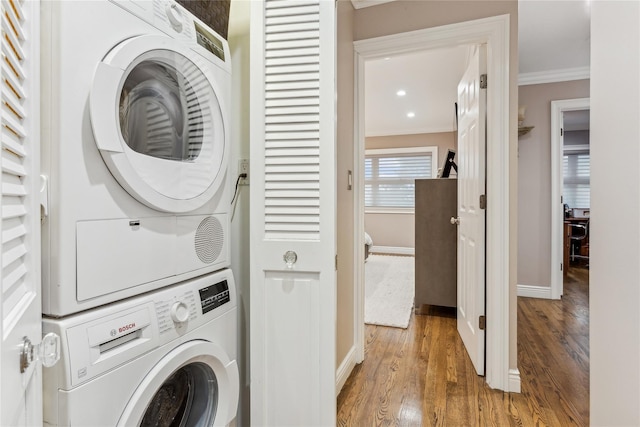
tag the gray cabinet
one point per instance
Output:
(436, 242)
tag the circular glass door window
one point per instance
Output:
(166, 143)
(160, 112)
(188, 398)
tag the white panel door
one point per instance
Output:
(471, 217)
(293, 304)
(20, 305)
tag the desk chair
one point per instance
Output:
(579, 234)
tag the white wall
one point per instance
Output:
(239, 45)
(615, 214)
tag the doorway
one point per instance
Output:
(494, 33)
(558, 111)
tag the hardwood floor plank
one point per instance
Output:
(422, 376)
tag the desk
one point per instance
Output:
(567, 239)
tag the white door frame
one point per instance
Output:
(493, 31)
(557, 219)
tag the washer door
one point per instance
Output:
(194, 385)
(157, 121)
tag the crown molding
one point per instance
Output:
(359, 4)
(554, 76)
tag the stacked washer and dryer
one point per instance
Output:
(136, 198)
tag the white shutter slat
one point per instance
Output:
(293, 127)
(308, 95)
(13, 62)
(292, 119)
(296, 61)
(309, 185)
(14, 17)
(11, 141)
(293, 9)
(292, 84)
(295, 177)
(293, 54)
(12, 164)
(284, 203)
(293, 151)
(13, 123)
(14, 74)
(283, 193)
(289, 3)
(12, 185)
(290, 103)
(292, 141)
(293, 77)
(303, 210)
(18, 282)
(305, 33)
(12, 280)
(13, 38)
(13, 229)
(12, 103)
(289, 110)
(12, 208)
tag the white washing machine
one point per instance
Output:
(135, 146)
(167, 358)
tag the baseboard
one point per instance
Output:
(345, 368)
(514, 381)
(392, 250)
(530, 291)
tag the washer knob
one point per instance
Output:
(179, 312)
(175, 16)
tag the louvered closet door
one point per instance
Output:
(20, 393)
(293, 307)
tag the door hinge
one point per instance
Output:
(336, 262)
(560, 266)
(483, 201)
(483, 81)
(561, 132)
(482, 322)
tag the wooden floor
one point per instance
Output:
(422, 376)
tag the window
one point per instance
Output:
(390, 175)
(576, 172)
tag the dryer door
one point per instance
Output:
(157, 120)
(194, 385)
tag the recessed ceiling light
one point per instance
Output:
(401, 92)
(411, 114)
(387, 58)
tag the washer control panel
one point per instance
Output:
(214, 296)
(178, 309)
(173, 312)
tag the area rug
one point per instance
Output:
(389, 290)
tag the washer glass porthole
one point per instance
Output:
(163, 107)
(188, 398)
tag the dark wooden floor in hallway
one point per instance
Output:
(422, 376)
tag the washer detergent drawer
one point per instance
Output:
(114, 255)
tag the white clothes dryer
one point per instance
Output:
(161, 359)
(135, 146)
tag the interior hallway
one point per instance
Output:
(428, 359)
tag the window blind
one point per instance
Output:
(390, 179)
(576, 174)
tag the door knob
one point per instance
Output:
(455, 220)
(290, 258)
